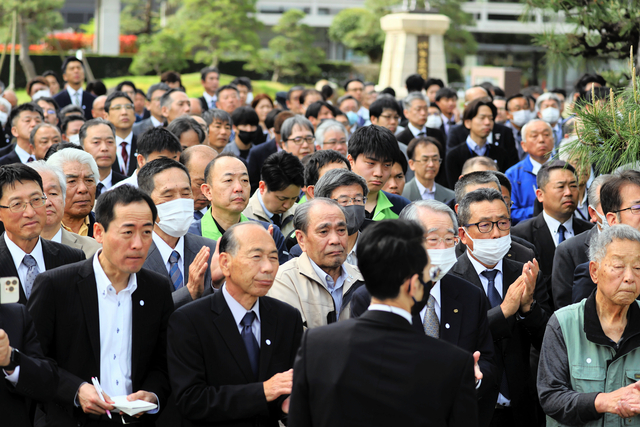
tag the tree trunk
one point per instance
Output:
(276, 75)
(27, 65)
(148, 12)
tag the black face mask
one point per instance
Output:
(355, 218)
(254, 137)
(419, 305)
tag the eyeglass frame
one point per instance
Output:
(308, 140)
(630, 208)
(493, 223)
(352, 201)
(24, 204)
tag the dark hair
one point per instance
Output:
(155, 87)
(388, 91)
(414, 83)
(171, 77)
(51, 101)
(473, 178)
(281, 117)
(147, 174)
(259, 97)
(610, 198)
(346, 84)
(488, 86)
(434, 105)
(431, 81)
(504, 181)
(59, 147)
(17, 172)
(471, 110)
(517, 95)
(36, 79)
(314, 109)
(446, 92)
(216, 114)
(245, 116)
(185, 124)
(206, 70)
(97, 87)
(67, 61)
(318, 160)
(243, 81)
(280, 170)
(423, 140)
(596, 94)
(51, 73)
(125, 83)
(141, 92)
(390, 242)
(499, 92)
(327, 92)
(227, 87)
(122, 195)
(375, 142)
(378, 106)
(559, 91)
(307, 92)
(166, 99)
(212, 163)
(156, 140)
(72, 110)
(94, 122)
(69, 119)
(587, 78)
(114, 95)
(403, 164)
(542, 178)
(270, 120)
(27, 106)
(476, 196)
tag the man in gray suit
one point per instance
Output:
(425, 161)
(185, 258)
(154, 94)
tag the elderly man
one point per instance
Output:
(537, 142)
(235, 366)
(54, 184)
(415, 110)
(98, 138)
(548, 108)
(182, 257)
(42, 137)
(154, 96)
(220, 124)
(319, 283)
(331, 135)
(118, 109)
(590, 355)
(174, 103)
(196, 159)
(81, 174)
(425, 162)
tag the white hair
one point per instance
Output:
(60, 158)
(42, 166)
(601, 241)
(545, 97)
(328, 125)
(523, 131)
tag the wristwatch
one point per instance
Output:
(14, 361)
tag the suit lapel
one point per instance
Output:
(268, 328)
(450, 313)
(154, 260)
(464, 269)
(133, 161)
(89, 297)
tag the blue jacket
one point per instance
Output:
(523, 189)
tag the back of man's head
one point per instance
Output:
(280, 170)
(318, 160)
(481, 178)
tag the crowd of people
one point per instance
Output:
(311, 259)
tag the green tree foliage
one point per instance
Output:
(160, 52)
(291, 52)
(359, 29)
(138, 17)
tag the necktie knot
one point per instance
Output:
(29, 261)
(490, 275)
(248, 319)
(174, 257)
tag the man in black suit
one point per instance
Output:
(478, 117)
(28, 375)
(183, 257)
(253, 337)
(558, 192)
(210, 79)
(23, 253)
(22, 120)
(98, 138)
(154, 94)
(119, 111)
(518, 299)
(73, 75)
(415, 110)
(107, 318)
(388, 374)
(460, 308)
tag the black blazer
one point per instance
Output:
(209, 368)
(535, 230)
(38, 376)
(10, 158)
(64, 306)
(257, 155)
(582, 283)
(513, 338)
(376, 370)
(133, 162)
(569, 254)
(54, 254)
(455, 160)
(464, 324)
(63, 99)
(203, 104)
(502, 137)
(7, 148)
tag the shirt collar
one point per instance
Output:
(553, 223)
(479, 267)
(415, 131)
(436, 292)
(58, 237)
(73, 92)
(155, 122)
(166, 250)
(103, 282)
(126, 139)
(424, 190)
(236, 308)
(22, 154)
(209, 98)
(475, 147)
(108, 180)
(392, 309)
(266, 211)
(324, 276)
(18, 254)
(536, 166)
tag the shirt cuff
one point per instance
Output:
(155, 411)
(76, 402)
(13, 378)
(479, 383)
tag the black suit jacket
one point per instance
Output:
(209, 368)
(10, 158)
(38, 376)
(463, 323)
(513, 338)
(502, 137)
(376, 370)
(133, 162)
(63, 99)
(54, 254)
(257, 155)
(64, 306)
(535, 230)
(7, 149)
(455, 160)
(569, 254)
(582, 283)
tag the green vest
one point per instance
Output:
(588, 365)
(383, 208)
(209, 227)
(302, 199)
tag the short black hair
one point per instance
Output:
(293, 89)
(388, 91)
(477, 196)
(498, 91)
(97, 87)
(206, 70)
(184, 124)
(378, 106)
(227, 87)
(51, 101)
(59, 147)
(51, 73)
(94, 122)
(18, 172)
(346, 84)
(280, 170)
(141, 92)
(270, 120)
(422, 140)
(394, 242)
(610, 198)
(596, 94)
(243, 81)
(414, 83)
(542, 178)
(73, 118)
(517, 95)
(559, 91)
(147, 174)
(245, 116)
(314, 109)
(114, 95)
(126, 83)
(327, 92)
(317, 161)
(446, 92)
(587, 78)
(27, 106)
(471, 110)
(71, 110)
(375, 142)
(171, 77)
(403, 164)
(157, 140)
(122, 195)
(431, 81)
(67, 61)
(504, 181)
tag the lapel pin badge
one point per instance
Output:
(141, 302)
(446, 325)
(455, 310)
(268, 342)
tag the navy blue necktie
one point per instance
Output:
(277, 220)
(197, 215)
(494, 297)
(99, 189)
(253, 351)
(561, 231)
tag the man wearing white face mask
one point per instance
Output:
(518, 115)
(183, 256)
(548, 107)
(519, 305)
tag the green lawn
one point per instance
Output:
(191, 83)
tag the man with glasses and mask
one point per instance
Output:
(23, 212)
(519, 306)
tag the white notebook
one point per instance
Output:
(132, 408)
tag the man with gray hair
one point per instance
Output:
(43, 136)
(174, 103)
(154, 95)
(81, 174)
(548, 107)
(297, 136)
(415, 110)
(219, 122)
(319, 283)
(55, 187)
(332, 135)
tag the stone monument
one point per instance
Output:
(414, 43)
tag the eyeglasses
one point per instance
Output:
(487, 226)
(341, 142)
(51, 111)
(346, 201)
(434, 241)
(635, 209)
(299, 140)
(120, 107)
(394, 117)
(36, 202)
(427, 160)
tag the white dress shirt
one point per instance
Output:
(72, 94)
(155, 122)
(119, 141)
(426, 193)
(264, 208)
(391, 309)
(23, 155)
(166, 250)
(553, 225)
(473, 146)
(352, 258)
(210, 99)
(536, 166)
(132, 180)
(18, 255)
(58, 237)
(108, 181)
(415, 131)
(435, 291)
(239, 312)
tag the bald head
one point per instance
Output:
(10, 96)
(97, 109)
(474, 93)
(196, 107)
